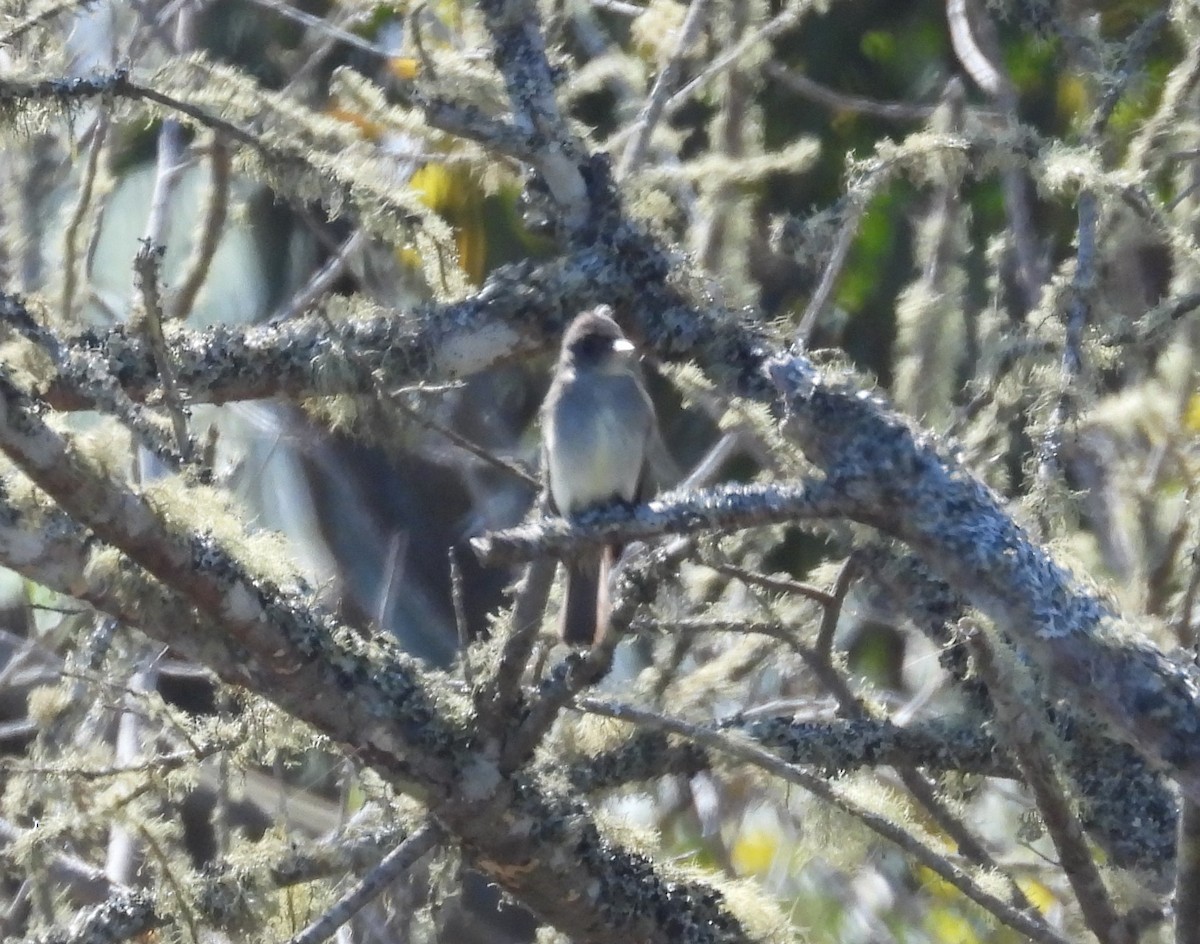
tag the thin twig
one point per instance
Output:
(977, 63)
(460, 615)
(87, 187)
(805, 87)
(146, 268)
(833, 267)
(211, 230)
(467, 445)
(121, 855)
(323, 26)
(1134, 52)
(618, 6)
(394, 864)
(1052, 803)
(1187, 875)
(833, 610)
(723, 199)
(780, 23)
(647, 120)
(1187, 605)
(322, 281)
(768, 582)
(496, 702)
(1078, 314)
(973, 39)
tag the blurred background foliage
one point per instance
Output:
(374, 498)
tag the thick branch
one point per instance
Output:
(520, 310)
(541, 847)
(519, 51)
(906, 488)
(831, 747)
(726, 508)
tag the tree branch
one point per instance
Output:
(725, 508)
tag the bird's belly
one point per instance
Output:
(595, 460)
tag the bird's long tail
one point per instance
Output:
(586, 605)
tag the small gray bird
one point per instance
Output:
(599, 430)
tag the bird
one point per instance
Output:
(599, 435)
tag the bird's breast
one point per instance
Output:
(596, 443)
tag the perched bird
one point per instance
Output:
(599, 433)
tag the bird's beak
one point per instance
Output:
(622, 345)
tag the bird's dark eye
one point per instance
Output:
(591, 347)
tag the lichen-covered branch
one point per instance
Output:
(903, 485)
(722, 509)
(519, 310)
(829, 747)
(541, 847)
(519, 51)
(911, 844)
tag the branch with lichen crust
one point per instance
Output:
(831, 747)
(722, 509)
(126, 915)
(542, 847)
(522, 308)
(903, 485)
(519, 52)
(1031, 925)
(518, 312)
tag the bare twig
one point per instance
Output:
(1078, 313)
(973, 39)
(772, 583)
(1052, 803)
(120, 860)
(1187, 875)
(643, 127)
(479, 452)
(146, 267)
(787, 19)
(323, 26)
(1187, 605)
(322, 281)
(977, 63)
(833, 268)
(83, 202)
(394, 864)
(211, 230)
(805, 87)
(497, 700)
(460, 615)
(833, 608)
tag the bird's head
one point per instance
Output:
(595, 341)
